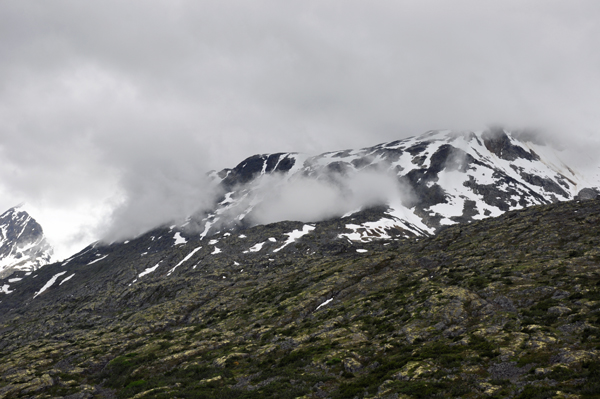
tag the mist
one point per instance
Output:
(160, 194)
(308, 199)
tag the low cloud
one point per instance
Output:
(164, 182)
(311, 199)
(160, 196)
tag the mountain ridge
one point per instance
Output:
(418, 185)
(447, 177)
(426, 182)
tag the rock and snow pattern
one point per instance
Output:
(23, 246)
(444, 177)
(436, 179)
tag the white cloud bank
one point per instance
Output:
(309, 200)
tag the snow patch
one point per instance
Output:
(206, 229)
(294, 235)
(49, 283)
(6, 289)
(66, 279)
(184, 260)
(97, 260)
(255, 248)
(149, 270)
(78, 255)
(227, 199)
(179, 239)
(400, 217)
(347, 214)
(323, 304)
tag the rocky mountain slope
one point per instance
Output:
(23, 246)
(502, 307)
(409, 291)
(407, 188)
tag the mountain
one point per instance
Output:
(23, 246)
(469, 270)
(425, 182)
(505, 307)
(406, 188)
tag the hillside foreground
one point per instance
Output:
(503, 307)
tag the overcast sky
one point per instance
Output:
(119, 107)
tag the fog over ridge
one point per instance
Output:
(311, 199)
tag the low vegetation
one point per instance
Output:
(502, 308)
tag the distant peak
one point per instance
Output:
(22, 207)
(23, 246)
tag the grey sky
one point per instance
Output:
(105, 105)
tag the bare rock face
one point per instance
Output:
(23, 246)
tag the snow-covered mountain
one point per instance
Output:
(434, 180)
(277, 208)
(405, 188)
(239, 276)
(23, 246)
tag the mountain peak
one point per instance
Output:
(23, 245)
(441, 177)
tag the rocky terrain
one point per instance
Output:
(409, 291)
(501, 307)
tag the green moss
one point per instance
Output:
(533, 392)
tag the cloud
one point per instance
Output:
(112, 104)
(311, 199)
(160, 192)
